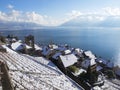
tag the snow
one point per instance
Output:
(108, 85)
(96, 88)
(53, 46)
(67, 51)
(92, 62)
(42, 60)
(68, 59)
(45, 50)
(8, 49)
(37, 47)
(90, 54)
(78, 50)
(1, 88)
(17, 46)
(28, 73)
(14, 40)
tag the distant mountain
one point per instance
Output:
(110, 22)
(85, 22)
(18, 25)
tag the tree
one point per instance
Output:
(110, 74)
(73, 69)
(91, 76)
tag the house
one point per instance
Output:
(89, 54)
(67, 52)
(47, 52)
(78, 52)
(11, 39)
(56, 55)
(63, 61)
(53, 46)
(21, 47)
(61, 48)
(68, 60)
(37, 50)
(37, 47)
(89, 63)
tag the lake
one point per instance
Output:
(104, 42)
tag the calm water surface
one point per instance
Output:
(103, 42)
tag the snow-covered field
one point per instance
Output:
(29, 74)
(109, 85)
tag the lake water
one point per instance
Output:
(104, 42)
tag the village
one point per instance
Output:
(32, 66)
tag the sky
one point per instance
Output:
(56, 12)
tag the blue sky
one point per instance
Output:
(53, 12)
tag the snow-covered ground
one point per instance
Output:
(44, 61)
(28, 73)
(109, 85)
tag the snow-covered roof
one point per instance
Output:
(56, 55)
(96, 88)
(90, 54)
(92, 62)
(14, 39)
(68, 59)
(37, 47)
(78, 50)
(18, 46)
(53, 46)
(100, 60)
(29, 74)
(67, 51)
(88, 62)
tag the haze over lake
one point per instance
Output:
(103, 42)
